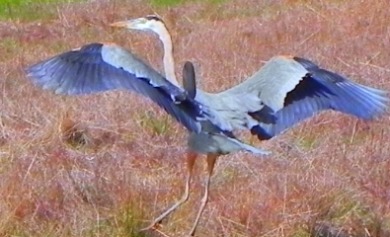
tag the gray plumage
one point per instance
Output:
(210, 141)
(285, 91)
(100, 67)
(296, 89)
(97, 68)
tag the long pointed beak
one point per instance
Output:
(121, 24)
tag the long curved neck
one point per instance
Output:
(169, 63)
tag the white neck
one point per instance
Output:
(169, 63)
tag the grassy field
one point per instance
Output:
(103, 165)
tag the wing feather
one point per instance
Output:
(296, 89)
(93, 69)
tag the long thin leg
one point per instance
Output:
(191, 157)
(211, 159)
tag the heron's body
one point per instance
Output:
(209, 141)
(290, 87)
(97, 67)
(283, 92)
(100, 67)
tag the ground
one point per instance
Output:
(107, 164)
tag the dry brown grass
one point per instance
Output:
(331, 172)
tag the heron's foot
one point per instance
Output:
(153, 226)
(191, 234)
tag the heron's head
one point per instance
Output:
(151, 23)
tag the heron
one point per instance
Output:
(98, 67)
(283, 92)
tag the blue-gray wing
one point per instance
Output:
(296, 89)
(97, 67)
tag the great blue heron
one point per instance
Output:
(100, 67)
(292, 87)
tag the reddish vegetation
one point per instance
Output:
(98, 165)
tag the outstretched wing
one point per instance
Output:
(98, 67)
(296, 89)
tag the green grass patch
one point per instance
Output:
(308, 142)
(166, 3)
(154, 124)
(172, 3)
(126, 223)
(301, 232)
(130, 222)
(10, 47)
(30, 9)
